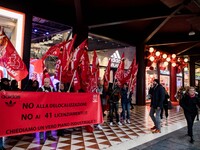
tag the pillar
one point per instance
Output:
(173, 83)
(27, 46)
(192, 71)
(140, 88)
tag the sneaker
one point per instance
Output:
(111, 123)
(119, 123)
(124, 121)
(166, 122)
(99, 127)
(51, 138)
(156, 131)
(128, 121)
(153, 128)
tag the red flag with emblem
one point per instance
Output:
(85, 71)
(10, 59)
(119, 75)
(106, 76)
(78, 52)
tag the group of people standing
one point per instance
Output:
(112, 96)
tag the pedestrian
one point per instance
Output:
(165, 107)
(157, 99)
(189, 104)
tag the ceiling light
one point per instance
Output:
(191, 33)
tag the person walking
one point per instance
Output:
(165, 107)
(189, 104)
(157, 99)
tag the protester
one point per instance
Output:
(157, 98)
(189, 104)
(4, 86)
(125, 102)
(46, 88)
(114, 103)
(14, 85)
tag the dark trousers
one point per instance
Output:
(114, 107)
(1, 142)
(190, 121)
(48, 134)
(165, 108)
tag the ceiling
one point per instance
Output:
(163, 24)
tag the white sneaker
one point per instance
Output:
(119, 123)
(99, 127)
(111, 123)
(128, 121)
(166, 122)
(124, 121)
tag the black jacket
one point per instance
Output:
(158, 96)
(189, 104)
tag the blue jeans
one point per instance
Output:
(155, 118)
(126, 110)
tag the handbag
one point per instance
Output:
(170, 104)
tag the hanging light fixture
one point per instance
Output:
(192, 32)
(151, 49)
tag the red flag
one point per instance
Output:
(77, 55)
(10, 59)
(67, 49)
(76, 81)
(119, 75)
(131, 70)
(106, 76)
(54, 50)
(95, 73)
(95, 63)
(85, 67)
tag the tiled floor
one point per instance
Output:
(111, 137)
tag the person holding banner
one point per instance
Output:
(1, 144)
(46, 88)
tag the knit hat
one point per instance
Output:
(157, 81)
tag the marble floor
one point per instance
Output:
(113, 137)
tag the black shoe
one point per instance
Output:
(60, 134)
(2, 148)
(51, 138)
(42, 141)
(192, 140)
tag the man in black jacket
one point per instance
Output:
(157, 98)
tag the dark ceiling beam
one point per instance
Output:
(163, 23)
(137, 20)
(172, 43)
(188, 48)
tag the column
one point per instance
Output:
(140, 88)
(27, 46)
(173, 82)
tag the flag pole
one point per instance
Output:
(71, 81)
